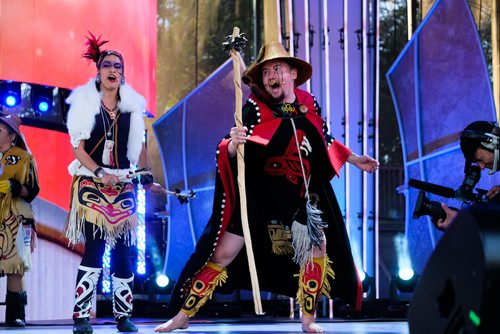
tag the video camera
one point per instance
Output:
(465, 193)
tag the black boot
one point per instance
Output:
(122, 303)
(86, 283)
(125, 325)
(82, 326)
(14, 311)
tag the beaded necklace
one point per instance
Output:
(111, 112)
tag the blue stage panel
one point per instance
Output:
(188, 136)
(439, 84)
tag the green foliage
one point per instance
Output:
(190, 37)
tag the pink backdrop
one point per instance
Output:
(42, 42)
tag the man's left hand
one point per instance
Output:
(493, 192)
(364, 162)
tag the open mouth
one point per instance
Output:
(274, 84)
(112, 78)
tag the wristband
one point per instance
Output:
(146, 179)
(99, 172)
(15, 187)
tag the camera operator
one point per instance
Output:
(480, 144)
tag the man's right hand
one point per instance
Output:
(450, 217)
(238, 137)
(493, 192)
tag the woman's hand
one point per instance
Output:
(110, 179)
(364, 162)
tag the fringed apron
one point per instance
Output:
(110, 209)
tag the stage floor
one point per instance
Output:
(231, 326)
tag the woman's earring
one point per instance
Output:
(122, 80)
(98, 78)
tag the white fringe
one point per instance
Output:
(315, 224)
(23, 245)
(301, 243)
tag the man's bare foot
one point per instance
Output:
(310, 326)
(180, 321)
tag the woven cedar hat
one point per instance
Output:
(13, 121)
(276, 51)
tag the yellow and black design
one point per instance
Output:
(15, 241)
(205, 282)
(313, 282)
(15, 257)
(12, 159)
(8, 231)
(281, 238)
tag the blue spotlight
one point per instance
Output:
(162, 280)
(43, 106)
(42, 98)
(11, 93)
(10, 100)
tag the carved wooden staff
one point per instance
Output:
(233, 44)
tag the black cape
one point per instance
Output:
(275, 192)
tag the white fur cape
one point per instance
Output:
(85, 104)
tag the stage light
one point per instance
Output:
(106, 270)
(11, 93)
(10, 100)
(366, 280)
(403, 282)
(162, 280)
(141, 231)
(406, 274)
(362, 275)
(42, 98)
(43, 106)
(406, 280)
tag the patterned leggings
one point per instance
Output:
(121, 259)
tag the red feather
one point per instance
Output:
(93, 47)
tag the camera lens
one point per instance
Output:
(424, 207)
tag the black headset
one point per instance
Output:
(487, 140)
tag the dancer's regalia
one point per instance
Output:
(17, 224)
(277, 214)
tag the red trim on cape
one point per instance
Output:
(338, 154)
(359, 294)
(226, 175)
(264, 131)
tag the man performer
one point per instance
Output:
(292, 211)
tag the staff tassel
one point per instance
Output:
(233, 45)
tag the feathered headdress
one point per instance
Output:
(94, 52)
(93, 44)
